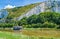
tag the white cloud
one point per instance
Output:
(9, 6)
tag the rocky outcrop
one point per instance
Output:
(42, 7)
(3, 15)
(35, 10)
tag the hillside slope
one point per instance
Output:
(26, 11)
(50, 6)
(35, 10)
(17, 11)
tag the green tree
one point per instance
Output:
(22, 21)
(49, 25)
(32, 19)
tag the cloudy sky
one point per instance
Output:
(16, 3)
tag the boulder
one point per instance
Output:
(17, 28)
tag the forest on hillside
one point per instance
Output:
(42, 20)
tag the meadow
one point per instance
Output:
(31, 33)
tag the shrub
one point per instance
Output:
(49, 25)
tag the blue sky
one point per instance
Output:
(5, 3)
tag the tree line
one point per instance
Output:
(42, 20)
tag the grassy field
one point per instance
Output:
(31, 34)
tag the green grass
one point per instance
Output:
(31, 34)
(8, 35)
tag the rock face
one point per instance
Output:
(3, 15)
(53, 6)
(35, 10)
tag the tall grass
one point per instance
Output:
(31, 34)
